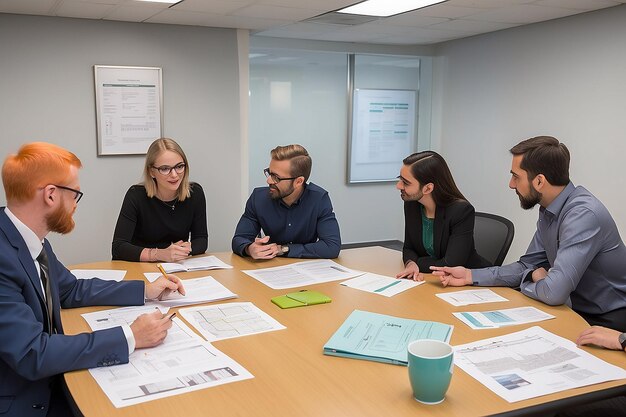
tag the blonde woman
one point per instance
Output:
(164, 218)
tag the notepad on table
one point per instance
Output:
(195, 264)
(381, 338)
(301, 299)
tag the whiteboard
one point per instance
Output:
(129, 108)
(382, 133)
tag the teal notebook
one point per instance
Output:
(382, 338)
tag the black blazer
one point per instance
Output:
(453, 237)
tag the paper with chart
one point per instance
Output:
(302, 273)
(197, 291)
(225, 321)
(182, 363)
(380, 284)
(382, 338)
(532, 363)
(165, 371)
(195, 264)
(106, 274)
(467, 297)
(498, 318)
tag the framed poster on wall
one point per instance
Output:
(129, 108)
(382, 133)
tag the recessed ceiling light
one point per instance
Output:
(385, 8)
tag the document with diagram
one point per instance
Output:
(225, 321)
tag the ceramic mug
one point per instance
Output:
(430, 364)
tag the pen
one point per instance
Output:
(172, 316)
(162, 270)
(160, 298)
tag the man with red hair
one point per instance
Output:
(42, 192)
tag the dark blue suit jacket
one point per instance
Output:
(30, 357)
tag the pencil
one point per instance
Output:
(162, 270)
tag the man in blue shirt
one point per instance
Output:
(297, 218)
(576, 257)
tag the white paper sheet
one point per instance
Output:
(106, 274)
(380, 284)
(195, 264)
(498, 318)
(166, 371)
(225, 321)
(302, 273)
(532, 363)
(467, 297)
(198, 290)
(152, 276)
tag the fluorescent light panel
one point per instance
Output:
(384, 8)
(160, 1)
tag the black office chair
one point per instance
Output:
(493, 236)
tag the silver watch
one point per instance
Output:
(622, 340)
(284, 249)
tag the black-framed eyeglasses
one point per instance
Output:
(275, 178)
(166, 169)
(78, 194)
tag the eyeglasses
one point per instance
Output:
(275, 178)
(78, 194)
(166, 169)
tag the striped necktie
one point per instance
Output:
(45, 279)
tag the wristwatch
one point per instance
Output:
(284, 249)
(622, 340)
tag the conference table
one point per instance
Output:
(293, 378)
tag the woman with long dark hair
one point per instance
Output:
(439, 221)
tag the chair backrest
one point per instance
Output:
(493, 236)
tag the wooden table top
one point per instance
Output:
(293, 377)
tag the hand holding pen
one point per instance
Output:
(164, 285)
(177, 251)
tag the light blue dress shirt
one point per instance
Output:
(577, 241)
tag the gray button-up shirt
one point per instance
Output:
(577, 241)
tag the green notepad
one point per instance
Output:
(382, 338)
(301, 299)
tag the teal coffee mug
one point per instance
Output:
(430, 369)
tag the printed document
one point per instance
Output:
(300, 274)
(499, 318)
(380, 284)
(106, 274)
(195, 264)
(467, 297)
(382, 338)
(182, 363)
(197, 291)
(167, 370)
(225, 321)
(532, 363)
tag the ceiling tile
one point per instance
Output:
(578, 4)
(522, 14)
(212, 6)
(472, 26)
(76, 8)
(270, 12)
(27, 6)
(132, 13)
(206, 19)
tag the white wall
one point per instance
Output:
(47, 93)
(563, 78)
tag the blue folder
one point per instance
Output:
(382, 338)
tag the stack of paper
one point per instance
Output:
(499, 318)
(195, 264)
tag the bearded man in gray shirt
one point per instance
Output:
(576, 257)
